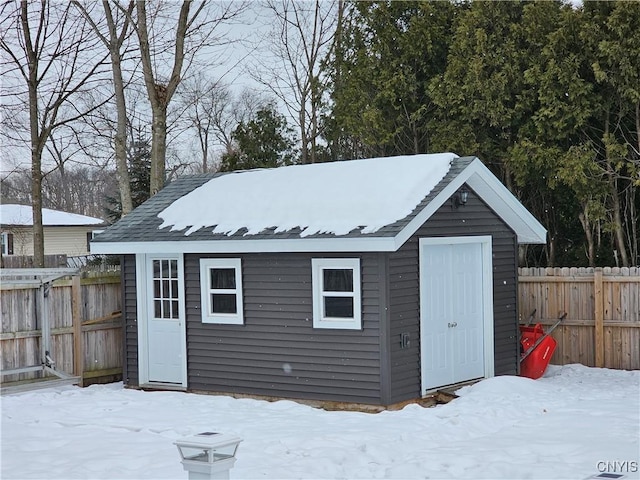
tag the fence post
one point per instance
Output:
(45, 326)
(76, 313)
(598, 298)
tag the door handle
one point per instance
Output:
(452, 325)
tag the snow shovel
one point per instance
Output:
(530, 319)
(538, 347)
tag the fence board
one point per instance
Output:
(602, 327)
(97, 303)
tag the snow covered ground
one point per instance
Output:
(573, 423)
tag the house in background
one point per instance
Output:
(370, 281)
(64, 233)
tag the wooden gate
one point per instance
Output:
(85, 324)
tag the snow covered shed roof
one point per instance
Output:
(22, 215)
(358, 205)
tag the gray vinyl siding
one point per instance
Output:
(130, 313)
(476, 218)
(404, 310)
(277, 352)
(505, 305)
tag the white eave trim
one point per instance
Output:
(476, 175)
(528, 229)
(492, 192)
(369, 244)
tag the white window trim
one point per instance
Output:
(5, 243)
(205, 297)
(319, 321)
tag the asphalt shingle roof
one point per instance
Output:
(141, 225)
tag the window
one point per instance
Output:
(221, 290)
(7, 243)
(90, 236)
(165, 289)
(336, 293)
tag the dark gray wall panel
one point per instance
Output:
(476, 218)
(277, 352)
(130, 313)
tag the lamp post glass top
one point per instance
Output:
(208, 447)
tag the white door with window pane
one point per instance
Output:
(165, 320)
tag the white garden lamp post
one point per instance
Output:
(208, 455)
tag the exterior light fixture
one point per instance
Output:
(460, 199)
(464, 196)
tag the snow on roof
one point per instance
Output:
(334, 197)
(23, 215)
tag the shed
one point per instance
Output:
(369, 281)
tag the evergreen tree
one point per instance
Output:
(385, 55)
(265, 141)
(140, 170)
(139, 165)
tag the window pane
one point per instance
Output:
(174, 309)
(156, 288)
(174, 269)
(338, 280)
(157, 309)
(165, 289)
(224, 303)
(174, 289)
(224, 278)
(165, 269)
(156, 269)
(338, 307)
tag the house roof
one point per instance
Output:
(358, 205)
(22, 215)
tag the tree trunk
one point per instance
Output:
(204, 145)
(618, 231)
(160, 95)
(36, 142)
(120, 138)
(634, 255)
(158, 149)
(304, 140)
(635, 241)
(551, 251)
(314, 122)
(114, 44)
(588, 232)
(36, 205)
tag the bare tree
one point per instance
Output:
(49, 51)
(62, 149)
(203, 101)
(117, 33)
(301, 38)
(212, 111)
(165, 60)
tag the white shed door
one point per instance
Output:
(165, 342)
(451, 313)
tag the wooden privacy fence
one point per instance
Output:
(26, 261)
(85, 324)
(602, 327)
